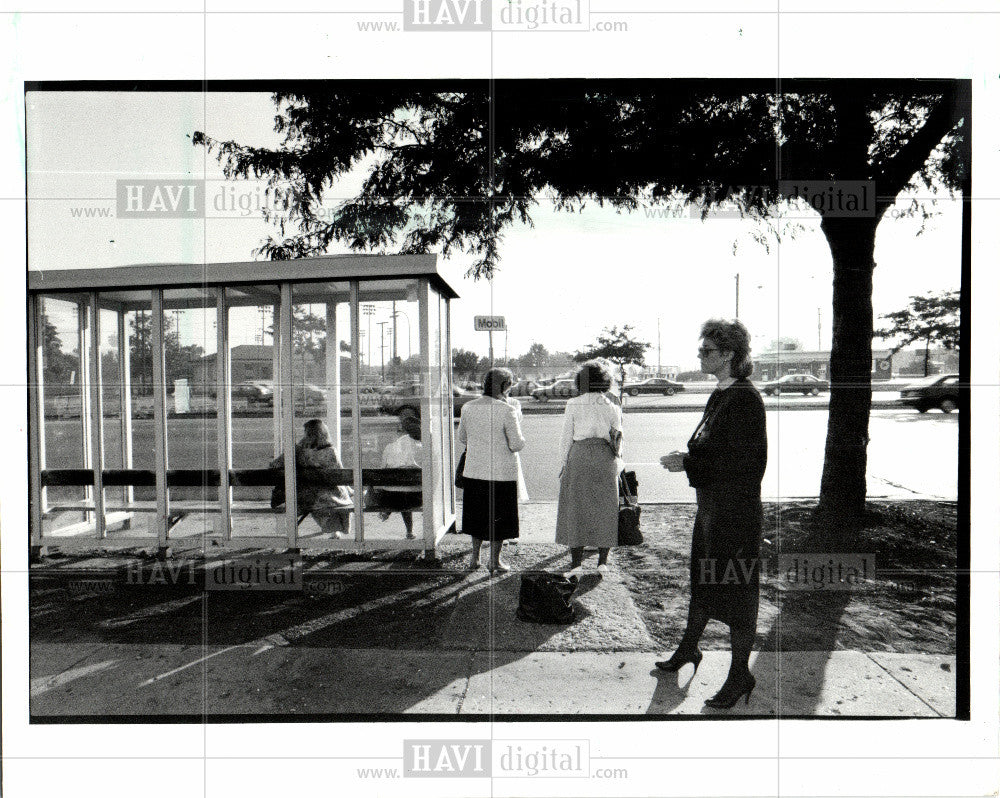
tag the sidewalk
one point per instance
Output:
(399, 637)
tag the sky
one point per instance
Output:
(560, 283)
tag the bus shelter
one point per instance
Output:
(166, 402)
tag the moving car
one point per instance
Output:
(562, 389)
(939, 391)
(653, 385)
(795, 383)
(408, 402)
(254, 393)
(523, 388)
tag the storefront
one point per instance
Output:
(124, 455)
(773, 365)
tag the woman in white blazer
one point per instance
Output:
(490, 428)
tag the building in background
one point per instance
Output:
(772, 365)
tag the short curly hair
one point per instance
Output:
(731, 336)
(497, 381)
(592, 377)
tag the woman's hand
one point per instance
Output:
(673, 461)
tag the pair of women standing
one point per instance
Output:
(490, 428)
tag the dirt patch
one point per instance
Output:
(908, 607)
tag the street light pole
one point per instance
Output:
(737, 295)
(381, 332)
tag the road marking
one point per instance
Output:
(43, 684)
(191, 664)
(149, 612)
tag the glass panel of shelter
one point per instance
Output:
(254, 394)
(189, 337)
(323, 401)
(64, 444)
(393, 387)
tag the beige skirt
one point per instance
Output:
(588, 496)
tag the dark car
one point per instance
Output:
(659, 385)
(253, 393)
(407, 401)
(795, 383)
(561, 389)
(940, 391)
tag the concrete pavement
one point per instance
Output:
(187, 654)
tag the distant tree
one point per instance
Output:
(931, 319)
(784, 345)
(465, 363)
(619, 347)
(58, 366)
(178, 361)
(535, 359)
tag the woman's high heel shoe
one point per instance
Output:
(680, 659)
(732, 692)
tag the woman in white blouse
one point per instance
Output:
(490, 428)
(588, 482)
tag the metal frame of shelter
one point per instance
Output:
(344, 281)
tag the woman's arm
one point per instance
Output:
(512, 429)
(463, 435)
(566, 441)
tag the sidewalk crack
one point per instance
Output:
(468, 681)
(905, 686)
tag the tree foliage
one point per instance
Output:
(615, 345)
(931, 319)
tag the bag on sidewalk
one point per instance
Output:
(628, 510)
(545, 598)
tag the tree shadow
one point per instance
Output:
(375, 643)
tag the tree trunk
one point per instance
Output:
(843, 486)
(927, 357)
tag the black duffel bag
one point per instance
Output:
(545, 598)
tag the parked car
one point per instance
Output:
(562, 389)
(523, 388)
(795, 383)
(653, 385)
(939, 391)
(254, 393)
(401, 404)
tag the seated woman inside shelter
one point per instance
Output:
(317, 493)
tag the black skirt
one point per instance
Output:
(489, 509)
(725, 554)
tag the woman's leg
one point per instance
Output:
(496, 547)
(408, 522)
(602, 556)
(741, 639)
(697, 620)
(477, 544)
(576, 556)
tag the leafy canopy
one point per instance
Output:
(447, 167)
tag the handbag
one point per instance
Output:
(460, 472)
(544, 598)
(628, 511)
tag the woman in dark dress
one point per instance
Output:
(725, 463)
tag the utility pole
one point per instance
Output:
(819, 330)
(737, 295)
(658, 346)
(381, 332)
(369, 311)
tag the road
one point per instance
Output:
(910, 455)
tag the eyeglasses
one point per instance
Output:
(706, 350)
